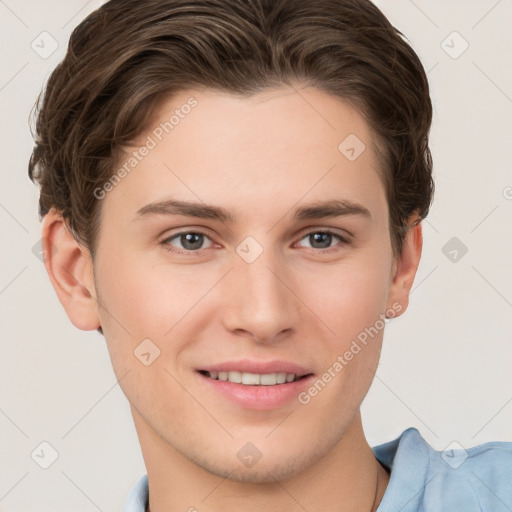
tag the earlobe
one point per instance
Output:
(405, 267)
(69, 268)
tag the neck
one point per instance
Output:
(347, 477)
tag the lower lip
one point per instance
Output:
(259, 397)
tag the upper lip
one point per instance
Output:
(259, 367)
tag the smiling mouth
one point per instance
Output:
(254, 379)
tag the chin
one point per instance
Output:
(264, 471)
(262, 475)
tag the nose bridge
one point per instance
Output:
(259, 302)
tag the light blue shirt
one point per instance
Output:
(425, 480)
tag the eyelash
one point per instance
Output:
(169, 248)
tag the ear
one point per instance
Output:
(405, 266)
(70, 269)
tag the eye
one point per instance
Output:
(322, 239)
(190, 241)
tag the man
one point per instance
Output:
(232, 194)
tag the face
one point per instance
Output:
(279, 266)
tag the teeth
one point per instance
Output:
(251, 379)
(254, 379)
(269, 379)
(235, 377)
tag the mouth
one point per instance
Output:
(254, 379)
(256, 385)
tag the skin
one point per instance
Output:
(260, 158)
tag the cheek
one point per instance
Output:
(161, 303)
(142, 303)
(147, 300)
(348, 297)
(353, 305)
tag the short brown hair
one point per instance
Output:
(129, 54)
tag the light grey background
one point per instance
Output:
(446, 364)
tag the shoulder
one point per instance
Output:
(422, 478)
(136, 501)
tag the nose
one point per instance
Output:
(260, 303)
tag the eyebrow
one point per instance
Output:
(316, 210)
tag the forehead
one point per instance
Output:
(302, 111)
(278, 145)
